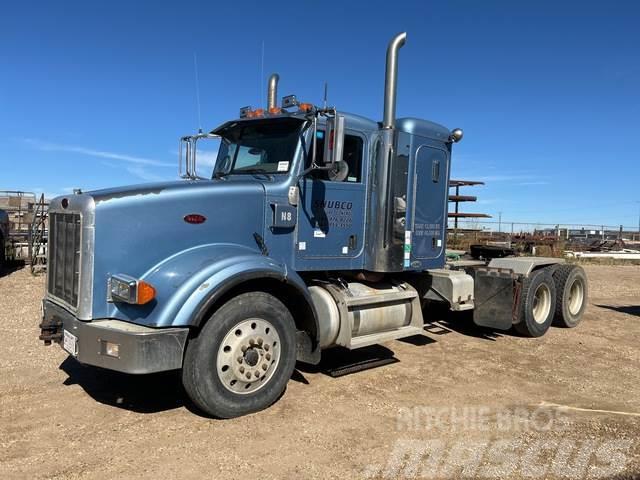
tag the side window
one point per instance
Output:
(352, 155)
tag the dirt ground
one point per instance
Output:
(459, 402)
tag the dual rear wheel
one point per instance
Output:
(553, 295)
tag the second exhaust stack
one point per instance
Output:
(272, 91)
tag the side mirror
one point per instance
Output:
(334, 140)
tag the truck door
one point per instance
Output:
(330, 228)
(430, 194)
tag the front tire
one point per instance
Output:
(242, 358)
(537, 304)
(571, 295)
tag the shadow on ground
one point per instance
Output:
(628, 309)
(159, 392)
(11, 266)
(439, 320)
(151, 393)
(339, 361)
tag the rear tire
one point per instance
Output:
(572, 291)
(243, 357)
(537, 304)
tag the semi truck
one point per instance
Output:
(318, 228)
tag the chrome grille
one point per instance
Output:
(64, 256)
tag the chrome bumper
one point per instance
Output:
(140, 349)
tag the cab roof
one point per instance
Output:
(411, 125)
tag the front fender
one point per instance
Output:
(188, 282)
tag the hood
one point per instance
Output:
(157, 188)
(137, 227)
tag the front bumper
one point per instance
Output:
(140, 349)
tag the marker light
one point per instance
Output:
(275, 110)
(124, 288)
(305, 107)
(289, 101)
(456, 135)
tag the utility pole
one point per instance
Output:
(499, 222)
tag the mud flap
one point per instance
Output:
(494, 298)
(305, 352)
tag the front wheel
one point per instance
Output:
(242, 358)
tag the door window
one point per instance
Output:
(352, 155)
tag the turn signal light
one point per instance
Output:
(146, 293)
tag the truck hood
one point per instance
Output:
(158, 188)
(131, 230)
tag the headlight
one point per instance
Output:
(123, 288)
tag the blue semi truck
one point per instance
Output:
(318, 228)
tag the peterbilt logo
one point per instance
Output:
(194, 218)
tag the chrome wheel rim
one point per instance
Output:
(576, 297)
(248, 356)
(541, 304)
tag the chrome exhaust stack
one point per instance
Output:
(391, 80)
(272, 91)
(385, 251)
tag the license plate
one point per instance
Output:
(70, 343)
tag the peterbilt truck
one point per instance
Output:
(318, 228)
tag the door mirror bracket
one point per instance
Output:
(334, 146)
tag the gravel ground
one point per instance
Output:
(458, 402)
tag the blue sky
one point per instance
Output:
(96, 94)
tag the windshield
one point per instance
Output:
(258, 147)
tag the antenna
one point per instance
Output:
(326, 88)
(195, 66)
(261, 97)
